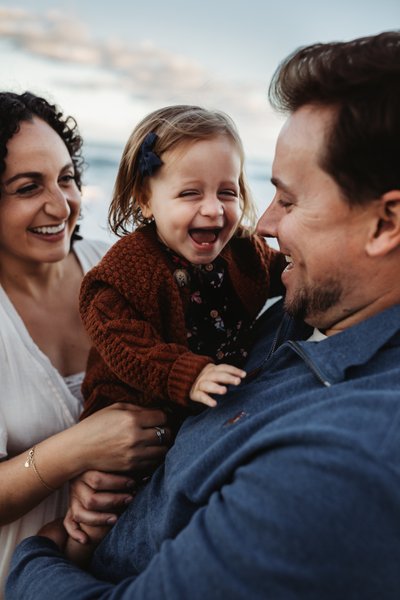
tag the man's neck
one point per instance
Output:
(351, 317)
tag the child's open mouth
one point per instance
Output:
(205, 236)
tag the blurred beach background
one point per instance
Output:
(108, 64)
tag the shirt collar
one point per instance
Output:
(354, 346)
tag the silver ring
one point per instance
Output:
(160, 431)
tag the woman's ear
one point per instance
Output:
(386, 231)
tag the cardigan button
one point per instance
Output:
(181, 277)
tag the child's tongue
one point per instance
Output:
(203, 236)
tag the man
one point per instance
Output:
(290, 488)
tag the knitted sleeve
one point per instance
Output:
(130, 360)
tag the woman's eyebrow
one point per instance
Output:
(34, 174)
(21, 175)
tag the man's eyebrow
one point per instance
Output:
(276, 182)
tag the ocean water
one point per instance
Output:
(101, 168)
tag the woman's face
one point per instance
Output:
(39, 201)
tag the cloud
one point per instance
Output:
(145, 72)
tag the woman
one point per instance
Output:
(43, 345)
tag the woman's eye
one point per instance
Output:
(67, 178)
(27, 189)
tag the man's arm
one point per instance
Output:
(307, 520)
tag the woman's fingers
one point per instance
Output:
(73, 529)
(84, 497)
(101, 480)
(121, 437)
(158, 436)
(144, 417)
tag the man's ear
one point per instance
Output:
(386, 231)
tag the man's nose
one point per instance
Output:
(267, 225)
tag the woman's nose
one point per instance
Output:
(56, 204)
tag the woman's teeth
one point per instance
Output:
(49, 229)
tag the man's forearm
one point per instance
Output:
(39, 570)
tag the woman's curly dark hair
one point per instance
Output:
(16, 108)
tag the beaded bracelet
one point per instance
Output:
(30, 462)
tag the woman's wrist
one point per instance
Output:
(59, 458)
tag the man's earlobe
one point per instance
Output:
(386, 233)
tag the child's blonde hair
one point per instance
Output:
(172, 125)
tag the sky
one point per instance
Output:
(110, 63)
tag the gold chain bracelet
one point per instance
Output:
(30, 462)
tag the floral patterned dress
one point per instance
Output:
(216, 321)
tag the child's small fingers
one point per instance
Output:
(225, 379)
(213, 387)
(203, 398)
(225, 368)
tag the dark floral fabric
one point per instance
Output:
(216, 322)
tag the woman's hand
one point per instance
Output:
(122, 437)
(96, 499)
(213, 379)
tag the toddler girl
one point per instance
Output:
(170, 307)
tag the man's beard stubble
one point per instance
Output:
(307, 303)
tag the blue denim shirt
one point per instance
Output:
(288, 489)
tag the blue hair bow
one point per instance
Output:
(148, 161)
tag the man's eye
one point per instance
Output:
(284, 203)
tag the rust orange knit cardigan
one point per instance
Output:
(134, 313)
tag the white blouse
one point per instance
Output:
(35, 403)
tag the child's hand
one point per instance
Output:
(210, 379)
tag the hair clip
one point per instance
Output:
(148, 161)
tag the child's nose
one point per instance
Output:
(212, 206)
